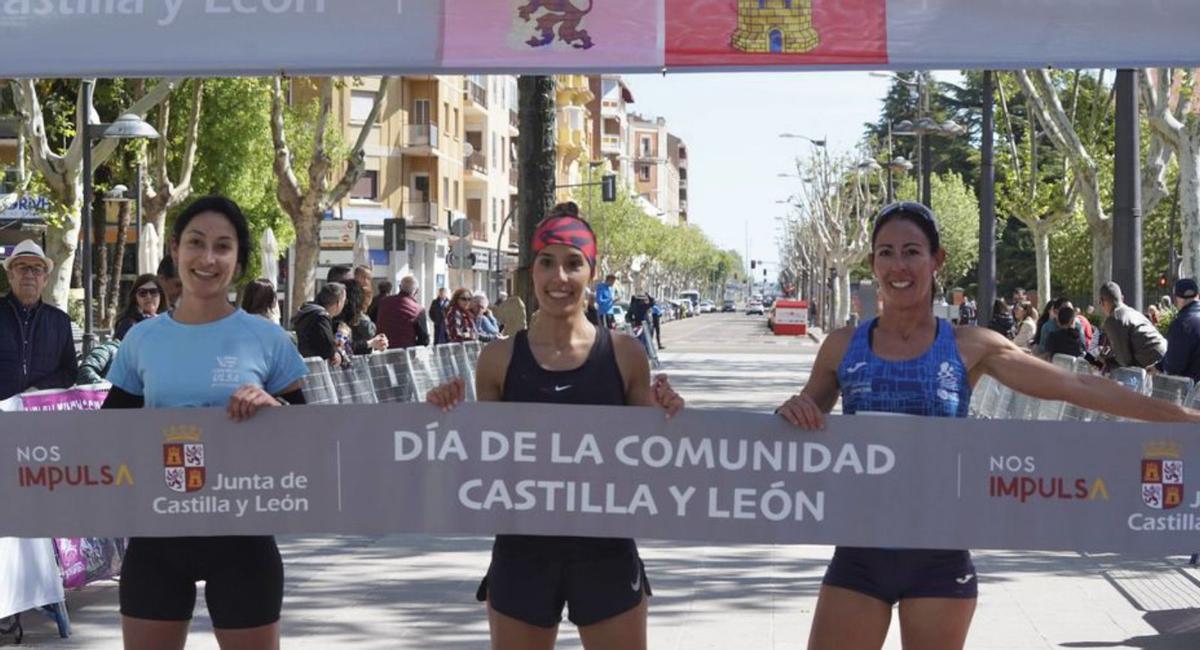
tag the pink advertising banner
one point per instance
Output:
(170, 37)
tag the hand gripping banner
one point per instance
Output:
(178, 37)
(720, 476)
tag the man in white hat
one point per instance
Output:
(37, 350)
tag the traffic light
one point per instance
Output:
(753, 265)
(1162, 281)
(608, 188)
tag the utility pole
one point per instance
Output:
(987, 203)
(1127, 192)
(536, 161)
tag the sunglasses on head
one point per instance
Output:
(905, 207)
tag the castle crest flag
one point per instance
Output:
(72, 38)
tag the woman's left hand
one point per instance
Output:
(247, 400)
(665, 396)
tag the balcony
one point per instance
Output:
(610, 144)
(514, 238)
(514, 177)
(475, 98)
(422, 214)
(475, 166)
(420, 139)
(478, 231)
(514, 121)
(683, 205)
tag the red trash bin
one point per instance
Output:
(791, 317)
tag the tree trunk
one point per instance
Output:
(1189, 203)
(1041, 254)
(536, 162)
(1102, 262)
(99, 261)
(307, 246)
(114, 288)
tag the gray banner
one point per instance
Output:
(504, 468)
(71, 38)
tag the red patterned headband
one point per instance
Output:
(568, 231)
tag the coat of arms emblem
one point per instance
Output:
(183, 459)
(1162, 475)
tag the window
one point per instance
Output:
(645, 147)
(503, 158)
(420, 111)
(495, 145)
(445, 114)
(420, 189)
(361, 102)
(446, 200)
(367, 187)
(455, 195)
(494, 222)
(454, 124)
(644, 173)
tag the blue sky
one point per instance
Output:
(731, 124)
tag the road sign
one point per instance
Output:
(338, 234)
(393, 234)
(460, 262)
(460, 227)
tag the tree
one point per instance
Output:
(306, 203)
(536, 163)
(159, 192)
(61, 172)
(958, 220)
(1168, 95)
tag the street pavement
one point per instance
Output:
(417, 591)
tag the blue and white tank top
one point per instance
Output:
(932, 384)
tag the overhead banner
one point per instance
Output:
(178, 37)
(714, 476)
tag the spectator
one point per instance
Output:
(339, 273)
(147, 298)
(639, 309)
(1183, 337)
(510, 313)
(362, 336)
(385, 290)
(259, 299)
(485, 323)
(168, 278)
(364, 278)
(37, 349)
(1052, 324)
(401, 318)
(656, 317)
(1002, 318)
(94, 366)
(968, 314)
(1152, 314)
(1067, 339)
(314, 324)
(460, 322)
(438, 310)
(1132, 338)
(1018, 296)
(605, 299)
(1026, 316)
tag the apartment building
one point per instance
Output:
(574, 134)
(609, 109)
(438, 152)
(656, 179)
(677, 160)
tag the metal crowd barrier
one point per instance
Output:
(392, 376)
(993, 400)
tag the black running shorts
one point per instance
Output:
(892, 575)
(243, 579)
(532, 577)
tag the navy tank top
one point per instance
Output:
(597, 381)
(932, 384)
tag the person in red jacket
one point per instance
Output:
(401, 317)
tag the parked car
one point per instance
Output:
(728, 307)
(707, 307)
(755, 308)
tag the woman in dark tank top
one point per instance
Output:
(564, 359)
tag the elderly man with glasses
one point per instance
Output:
(37, 350)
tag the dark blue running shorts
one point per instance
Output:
(243, 579)
(891, 575)
(532, 577)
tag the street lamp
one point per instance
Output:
(815, 142)
(127, 126)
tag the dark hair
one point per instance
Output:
(258, 297)
(226, 208)
(916, 213)
(130, 310)
(330, 294)
(385, 288)
(1045, 315)
(166, 269)
(1111, 291)
(998, 305)
(1066, 315)
(356, 302)
(564, 209)
(338, 273)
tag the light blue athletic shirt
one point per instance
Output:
(933, 384)
(174, 364)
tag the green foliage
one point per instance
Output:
(958, 218)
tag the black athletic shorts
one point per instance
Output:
(532, 577)
(243, 579)
(892, 575)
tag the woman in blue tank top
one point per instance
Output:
(909, 362)
(562, 358)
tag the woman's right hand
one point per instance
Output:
(448, 395)
(803, 412)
